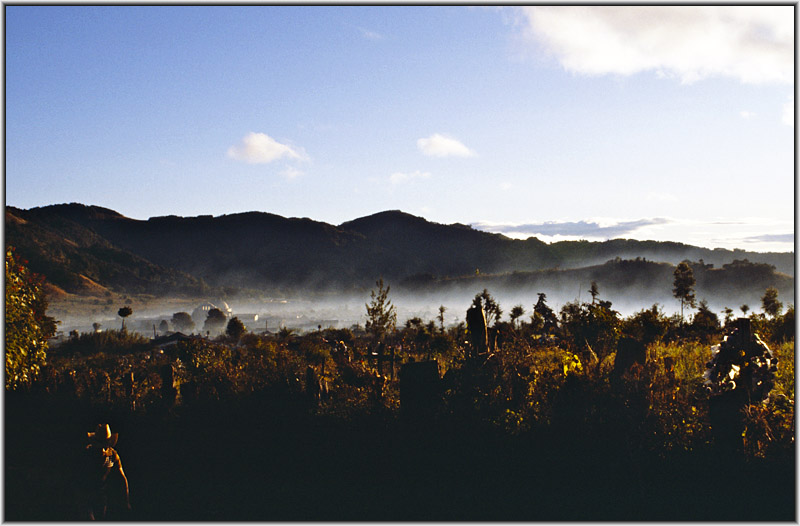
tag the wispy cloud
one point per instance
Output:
(754, 44)
(770, 238)
(746, 114)
(402, 177)
(438, 145)
(589, 229)
(260, 148)
(752, 233)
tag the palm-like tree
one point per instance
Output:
(123, 313)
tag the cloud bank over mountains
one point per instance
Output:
(588, 229)
(730, 234)
(779, 238)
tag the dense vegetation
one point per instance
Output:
(27, 326)
(547, 426)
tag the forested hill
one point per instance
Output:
(76, 259)
(72, 243)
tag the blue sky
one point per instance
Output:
(666, 123)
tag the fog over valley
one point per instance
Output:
(306, 311)
(301, 273)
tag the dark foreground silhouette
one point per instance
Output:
(265, 459)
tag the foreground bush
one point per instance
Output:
(27, 327)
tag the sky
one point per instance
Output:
(671, 123)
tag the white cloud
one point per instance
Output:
(788, 112)
(754, 44)
(747, 114)
(438, 145)
(260, 148)
(400, 178)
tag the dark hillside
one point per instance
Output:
(250, 249)
(404, 245)
(260, 250)
(581, 253)
(254, 249)
(79, 261)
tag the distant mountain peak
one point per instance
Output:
(78, 209)
(383, 217)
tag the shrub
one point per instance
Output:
(235, 329)
(27, 327)
(590, 326)
(647, 326)
(110, 342)
(705, 324)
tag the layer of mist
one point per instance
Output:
(310, 311)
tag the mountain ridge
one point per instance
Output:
(261, 250)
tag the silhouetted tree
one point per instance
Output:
(785, 328)
(123, 313)
(705, 323)
(285, 334)
(215, 321)
(744, 308)
(770, 303)
(442, 309)
(491, 309)
(163, 326)
(594, 291)
(516, 312)
(728, 312)
(183, 322)
(684, 285)
(548, 317)
(419, 334)
(381, 314)
(235, 329)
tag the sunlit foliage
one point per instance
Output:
(27, 326)
(381, 314)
